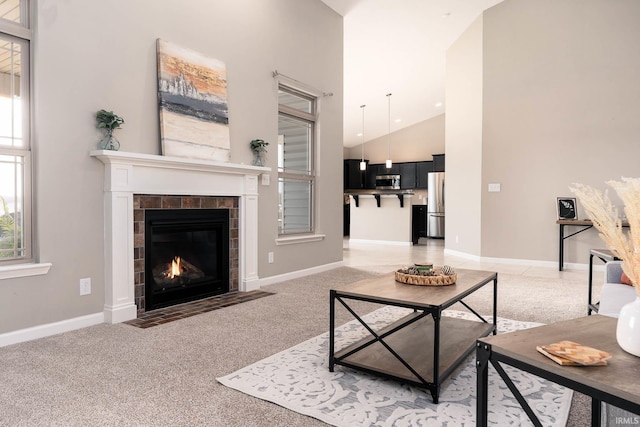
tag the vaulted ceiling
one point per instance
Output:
(397, 47)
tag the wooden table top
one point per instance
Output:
(385, 289)
(619, 377)
(582, 222)
(603, 253)
(574, 222)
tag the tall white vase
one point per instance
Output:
(628, 330)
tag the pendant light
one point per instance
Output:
(363, 164)
(389, 163)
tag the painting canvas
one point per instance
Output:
(192, 93)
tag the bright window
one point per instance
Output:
(15, 154)
(296, 169)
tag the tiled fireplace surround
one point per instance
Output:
(143, 202)
(131, 176)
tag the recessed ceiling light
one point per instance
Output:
(398, 120)
(438, 104)
(360, 134)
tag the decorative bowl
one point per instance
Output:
(423, 268)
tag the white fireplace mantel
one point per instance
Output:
(127, 174)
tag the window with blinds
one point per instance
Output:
(296, 175)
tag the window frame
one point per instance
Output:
(22, 33)
(310, 118)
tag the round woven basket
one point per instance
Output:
(437, 280)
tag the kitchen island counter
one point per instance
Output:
(355, 194)
(381, 218)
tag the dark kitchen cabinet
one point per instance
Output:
(438, 162)
(407, 175)
(410, 174)
(346, 219)
(422, 169)
(354, 178)
(394, 170)
(418, 222)
(372, 171)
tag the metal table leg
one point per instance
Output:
(561, 248)
(590, 284)
(332, 327)
(436, 356)
(482, 384)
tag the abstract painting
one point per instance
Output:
(192, 94)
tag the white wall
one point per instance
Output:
(91, 55)
(464, 142)
(559, 95)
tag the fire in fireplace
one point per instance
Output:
(187, 255)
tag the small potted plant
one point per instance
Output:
(108, 121)
(259, 147)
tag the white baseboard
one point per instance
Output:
(49, 329)
(300, 273)
(381, 242)
(120, 313)
(530, 262)
(55, 328)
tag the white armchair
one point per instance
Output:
(614, 294)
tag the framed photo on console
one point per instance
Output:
(567, 208)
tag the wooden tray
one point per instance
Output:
(437, 280)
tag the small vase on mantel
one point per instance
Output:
(109, 142)
(628, 329)
(258, 158)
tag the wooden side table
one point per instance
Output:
(615, 383)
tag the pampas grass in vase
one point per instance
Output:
(605, 218)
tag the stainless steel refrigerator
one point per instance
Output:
(435, 205)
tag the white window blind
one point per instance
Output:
(296, 176)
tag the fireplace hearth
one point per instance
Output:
(186, 255)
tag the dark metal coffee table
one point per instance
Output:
(422, 348)
(616, 383)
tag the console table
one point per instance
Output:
(585, 224)
(615, 383)
(562, 223)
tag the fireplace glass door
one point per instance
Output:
(186, 255)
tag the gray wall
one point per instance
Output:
(463, 231)
(560, 105)
(91, 55)
(410, 144)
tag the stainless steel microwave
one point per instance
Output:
(387, 182)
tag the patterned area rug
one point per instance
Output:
(299, 379)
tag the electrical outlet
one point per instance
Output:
(85, 286)
(270, 257)
(494, 188)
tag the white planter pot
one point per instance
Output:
(628, 330)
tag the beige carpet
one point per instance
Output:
(165, 375)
